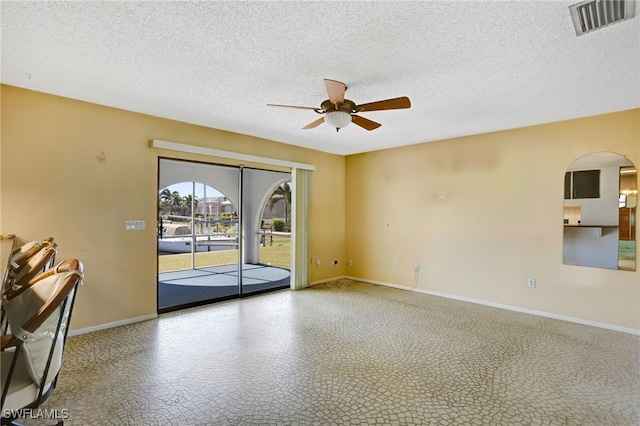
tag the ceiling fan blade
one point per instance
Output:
(316, 123)
(365, 123)
(395, 103)
(291, 106)
(336, 90)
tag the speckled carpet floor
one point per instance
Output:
(348, 353)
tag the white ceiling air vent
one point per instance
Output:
(591, 15)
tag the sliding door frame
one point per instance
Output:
(301, 195)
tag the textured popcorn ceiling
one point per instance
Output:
(468, 67)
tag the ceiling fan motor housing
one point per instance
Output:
(347, 106)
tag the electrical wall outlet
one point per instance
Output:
(349, 262)
(395, 264)
(531, 283)
(317, 262)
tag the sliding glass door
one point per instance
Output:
(210, 230)
(266, 250)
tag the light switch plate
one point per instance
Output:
(134, 225)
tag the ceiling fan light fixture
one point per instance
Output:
(337, 119)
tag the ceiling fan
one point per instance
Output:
(339, 112)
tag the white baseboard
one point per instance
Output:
(507, 307)
(111, 324)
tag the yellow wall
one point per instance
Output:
(479, 214)
(52, 184)
(482, 214)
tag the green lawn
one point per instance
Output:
(278, 254)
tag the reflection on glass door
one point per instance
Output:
(207, 228)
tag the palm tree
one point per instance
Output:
(164, 197)
(283, 191)
(176, 201)
(187, 204)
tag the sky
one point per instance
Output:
(185, 188)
